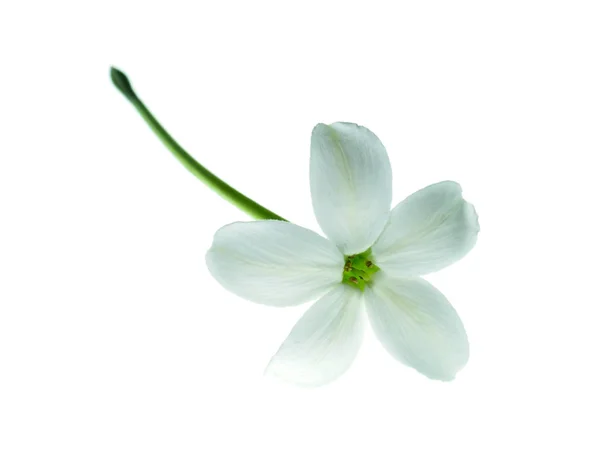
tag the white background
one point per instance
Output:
(114, 336)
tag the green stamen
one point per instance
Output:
(359, 270)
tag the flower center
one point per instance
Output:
(359, 270)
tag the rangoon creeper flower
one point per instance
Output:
(373, 259)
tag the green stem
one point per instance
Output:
(230, 194)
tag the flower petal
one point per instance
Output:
(273, 262)
(418, 326)
(324, 342)
(429, 230)
(351, 184)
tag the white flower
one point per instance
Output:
(373, 258)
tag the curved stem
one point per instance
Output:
(230, 194)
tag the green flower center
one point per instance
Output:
(359, 270)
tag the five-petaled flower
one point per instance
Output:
(372, 260)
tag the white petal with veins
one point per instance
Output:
(350, 183)
(324, 342)
(274, 262)
(429, 230)
(418, 326)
